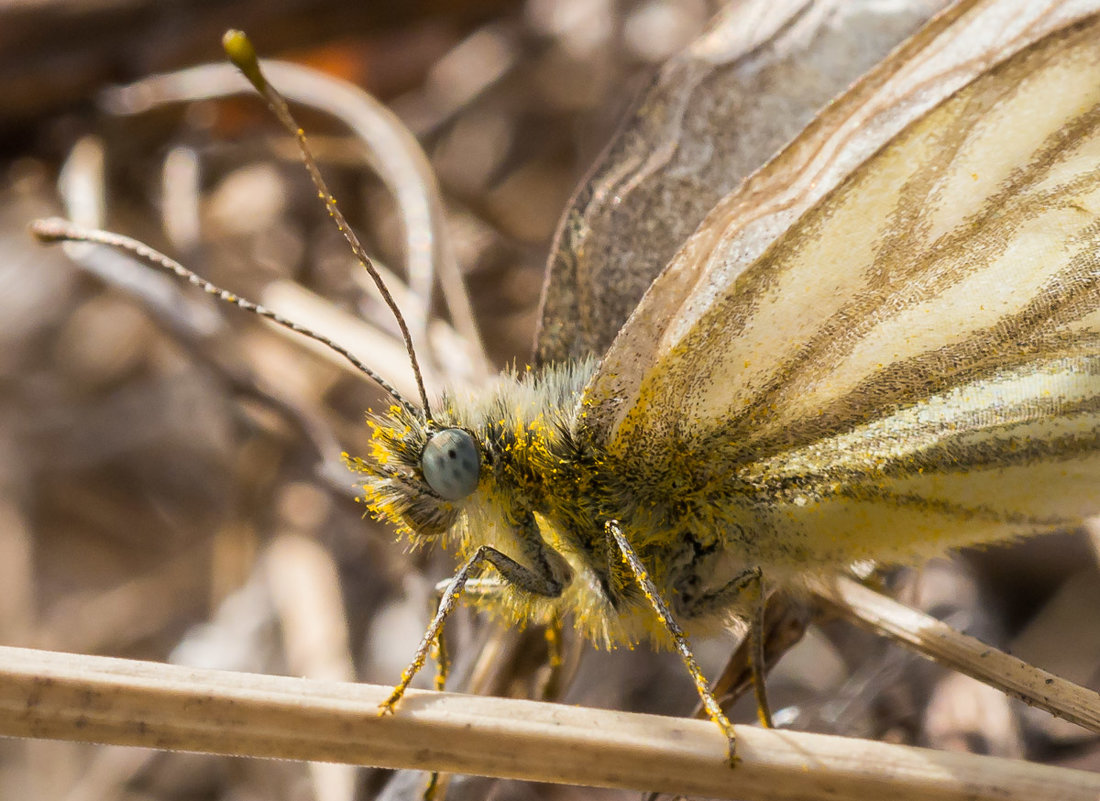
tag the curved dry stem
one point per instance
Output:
(125, 702)
(393, 152)
(195, 326)
(941, 643)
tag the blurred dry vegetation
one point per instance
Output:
(160, 490)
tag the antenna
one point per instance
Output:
(56, 229)
(240, 51)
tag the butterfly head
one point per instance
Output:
(419, 474)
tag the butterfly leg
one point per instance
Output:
(545, 581)
(747, 588)
(436, 789)
(757, 597)
(653, 595)
(440, 653)
(555, 647)
(560, 657)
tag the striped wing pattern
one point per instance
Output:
(915, 364)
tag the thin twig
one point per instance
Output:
(392, 149)
(941, 643)
(197, 327)
(125, 702)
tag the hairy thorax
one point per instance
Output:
(543, 476)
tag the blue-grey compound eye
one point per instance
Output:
(451, 463)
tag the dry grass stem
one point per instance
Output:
(306, 308)
(941, 643)
(97, 699)
(392, 149)
(304, 582)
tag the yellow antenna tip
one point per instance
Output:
(49, 230)
(239, 48)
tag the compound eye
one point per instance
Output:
(451, 463)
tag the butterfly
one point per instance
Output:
(899, 362)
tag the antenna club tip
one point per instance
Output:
(52, 229)
(238, 47)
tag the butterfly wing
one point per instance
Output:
(714, 113)
(912, 363)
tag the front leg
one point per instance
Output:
(548, 579)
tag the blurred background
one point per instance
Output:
(169, 479)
